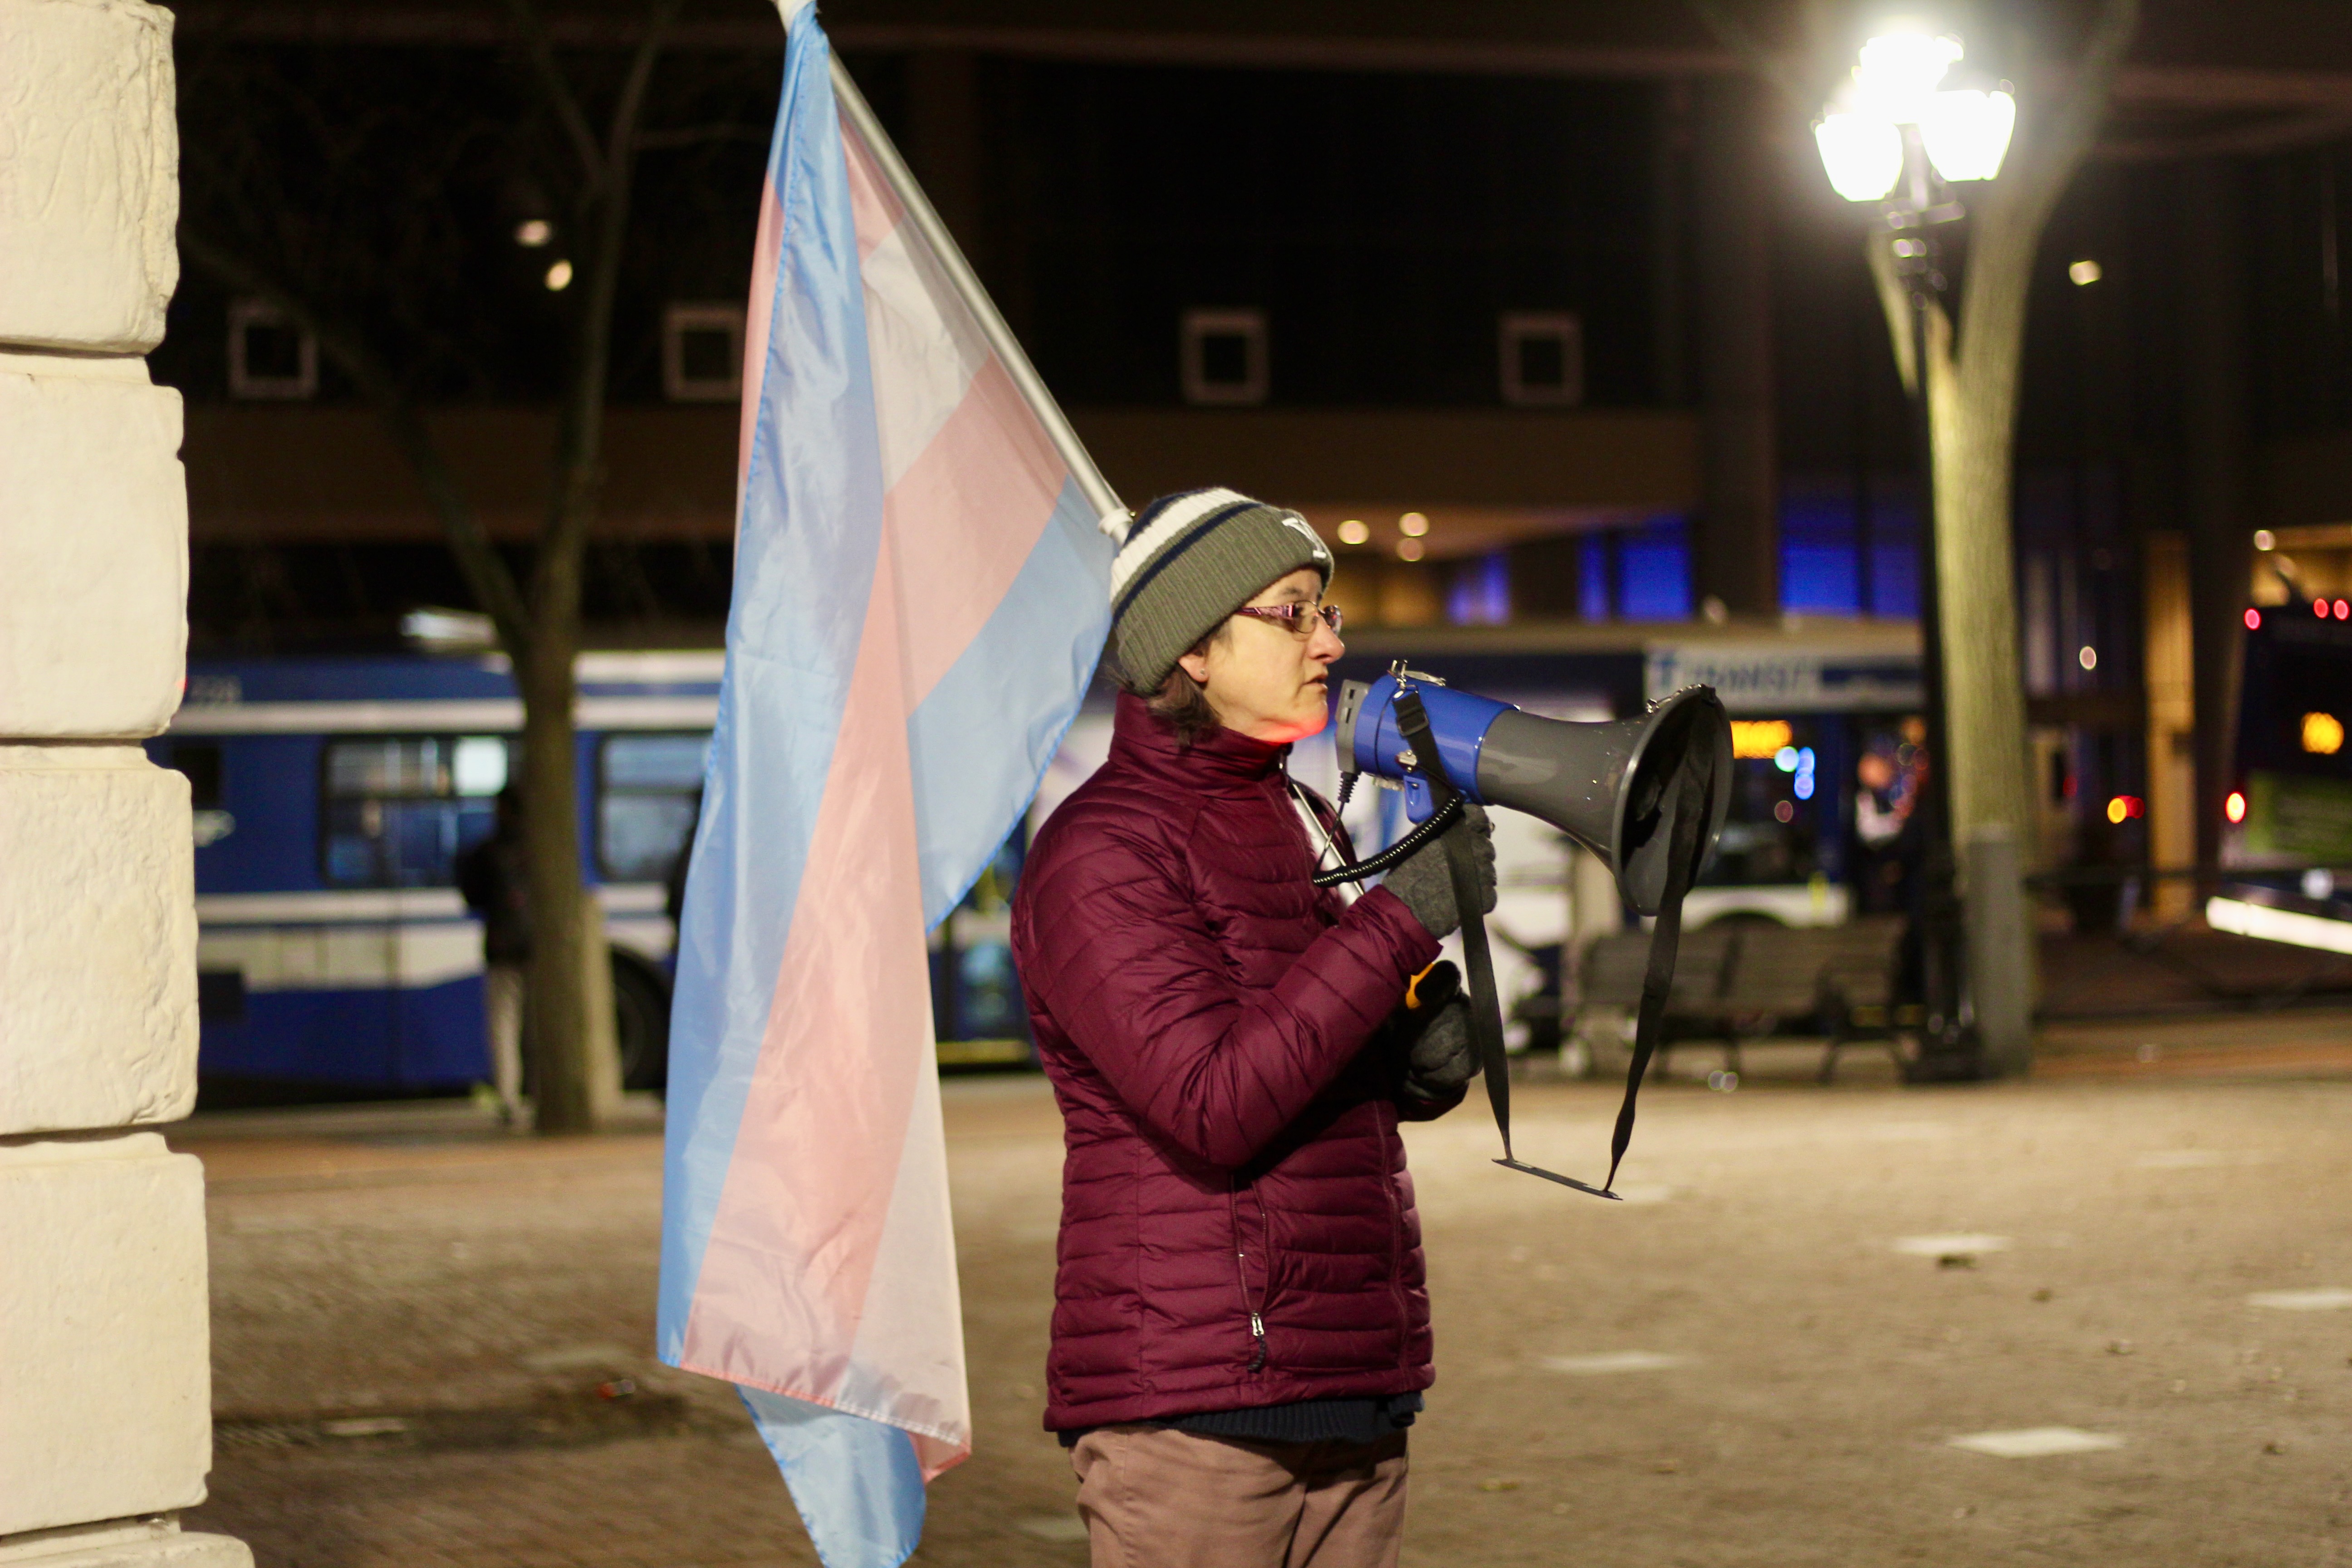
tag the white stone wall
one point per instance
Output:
(97, 990)
(89, 174)
(94, 550)
(105, 1368)
(104, 1383)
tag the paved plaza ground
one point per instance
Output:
(429, 1340)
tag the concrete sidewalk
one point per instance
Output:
(430, 1342)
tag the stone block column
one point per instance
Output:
(105, 1368)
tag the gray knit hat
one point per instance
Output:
(1192, 559)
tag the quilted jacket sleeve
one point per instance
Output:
(1130, 969)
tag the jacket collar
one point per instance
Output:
(1140, 739)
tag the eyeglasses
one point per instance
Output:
(1295, 618)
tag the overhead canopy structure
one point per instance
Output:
(2254, 76)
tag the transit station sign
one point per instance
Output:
(1776, 678)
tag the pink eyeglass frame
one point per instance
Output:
(1290, 619)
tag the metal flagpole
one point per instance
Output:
(1096, 489)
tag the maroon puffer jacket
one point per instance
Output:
(1204, 1014)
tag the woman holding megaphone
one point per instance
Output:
(1241, 1328)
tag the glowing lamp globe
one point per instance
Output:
(1898, 73)
(1967, 133)
(1863, 153)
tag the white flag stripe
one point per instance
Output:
(911, 1323)
(925, 345)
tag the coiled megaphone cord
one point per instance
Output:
(1440, 820)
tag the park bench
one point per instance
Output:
(1742, 981)
(1859, 986)
(1608, 984)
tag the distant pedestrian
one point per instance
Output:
(495, 878)
(1881, 812)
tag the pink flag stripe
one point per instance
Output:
(978, 481)
(966, 516)
(814, 1168)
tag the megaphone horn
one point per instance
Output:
(1607, 785)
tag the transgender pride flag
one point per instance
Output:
(922, 591)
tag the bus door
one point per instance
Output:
(397, 813)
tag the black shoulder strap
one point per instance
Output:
(1691, 805)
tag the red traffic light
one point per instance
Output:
(2234, 808)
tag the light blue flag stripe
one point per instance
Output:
(982, 738)
(805, 561)
(857, 1484)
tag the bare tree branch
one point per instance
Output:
(2011, 214)
(492, 585)
(2081, 109)
(1734, 35)
(539, 50)
(696, 135)
(580, 438)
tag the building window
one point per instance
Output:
(400, 809)
(1543, 360)
(269, 355)
(1478, 592)
(702, 354)
(651, 792)
(1223, 356)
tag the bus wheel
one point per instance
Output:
(640, 1025)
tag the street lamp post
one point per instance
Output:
(1894, 135)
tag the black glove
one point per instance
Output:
(1426, 885)
(1432, 1033)
(1445, 1057)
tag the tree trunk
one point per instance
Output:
(1972, 414)
(572, 1048)
(1972, 424)
(565, 1094)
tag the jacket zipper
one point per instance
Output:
(1240, 1272)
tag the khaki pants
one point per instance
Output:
(503, 990)
(1156, 1498)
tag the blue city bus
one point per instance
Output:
(332, 798)
(333, 795)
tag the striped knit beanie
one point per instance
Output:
(1190, 560)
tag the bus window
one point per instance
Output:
(399, 809)
(645, 806)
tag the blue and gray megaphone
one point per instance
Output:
(1609, 785)
(1647, 794)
